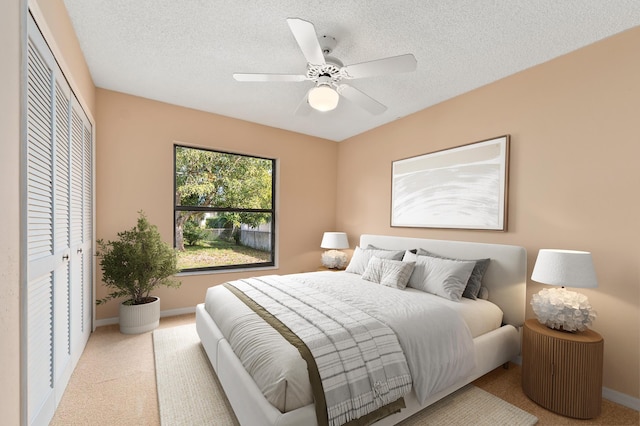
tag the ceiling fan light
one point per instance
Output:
(323, 98)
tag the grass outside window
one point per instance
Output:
(221, 253)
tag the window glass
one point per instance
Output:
(223, 210)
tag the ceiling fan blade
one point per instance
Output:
(391, 65)
(269, 77)
(305, 34)
(361, 99)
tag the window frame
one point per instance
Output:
(272, 211)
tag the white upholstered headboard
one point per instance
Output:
(506, 276)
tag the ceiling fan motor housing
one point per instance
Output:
(330, 70)
(332, 66)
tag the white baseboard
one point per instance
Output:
(621, 398)
(167, 313)
(180, 311)
(105, 321)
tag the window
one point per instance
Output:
(224, 210)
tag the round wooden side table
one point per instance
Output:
(562, 371)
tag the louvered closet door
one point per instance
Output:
(62, 283)
(59, 177)
(42, 263)
(87, 233)
(81, 224)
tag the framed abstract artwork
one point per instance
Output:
(463, 187)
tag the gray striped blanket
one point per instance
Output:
(357, 367)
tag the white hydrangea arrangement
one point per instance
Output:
(563, 309)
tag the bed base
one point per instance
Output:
(251, 407)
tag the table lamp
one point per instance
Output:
(333, 258)
(560, 308)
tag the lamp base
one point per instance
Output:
(334, 259)
(564, 310)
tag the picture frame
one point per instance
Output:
(464, 187)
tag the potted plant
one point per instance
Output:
(133, 266)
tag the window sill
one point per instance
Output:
(225, 271)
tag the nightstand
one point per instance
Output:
(562, 371)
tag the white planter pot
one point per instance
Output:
(135, 319)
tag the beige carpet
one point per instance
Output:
(190, 394)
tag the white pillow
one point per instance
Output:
(361, 257)
(390, 273)
(443, 277)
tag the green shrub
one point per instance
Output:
(192, 233)
(137, 263)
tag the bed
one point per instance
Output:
(504, 282)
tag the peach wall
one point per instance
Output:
(574, 178)
(12, 18)
(134, 171)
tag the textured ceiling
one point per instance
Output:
(185, 52)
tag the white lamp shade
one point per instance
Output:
(566, 268)
(334, 240)
(323, 98)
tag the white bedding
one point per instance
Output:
(282, 376)
(481, 316)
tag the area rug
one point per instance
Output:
(189, 392)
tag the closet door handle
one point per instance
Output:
(79, 250)
(65, 257)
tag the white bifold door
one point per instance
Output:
(58, 212)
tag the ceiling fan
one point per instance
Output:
(328, 72)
